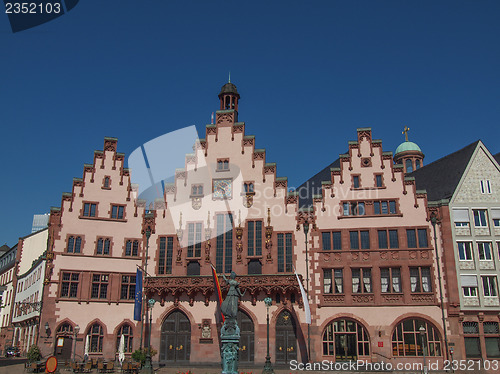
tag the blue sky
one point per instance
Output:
(309, 73)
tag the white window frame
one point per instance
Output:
(495, 285)
(484, 252)
(485, 218)
(471, 251)
(485, 187)
(469, 288)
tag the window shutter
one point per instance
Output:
(461, 215)
(468, 280)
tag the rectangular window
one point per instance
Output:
(411, 238)
(393, 239)
(484, 250)
(490, 286)
(327, 281)
(74, 244)
(469, 291)
(103, 246)
(355, 181)
(194, 240)
(378, 180)
(365, 239)
(384, 207)
(354, 239)
(165, 255)
(335, 285)
(128, 287)
(390, 279)
(420, 279)
(132, 248)
(485, 186)
(326, 240)
(465, 251)
(197, 190)
(254, 238)
(99, 286)
(480, 218)
(284, 253)
(382, 239)
(223, 164)
(224, 243)
(69, 284)
(422, 238)
(354, 209)
(337, 240)
(89, 209)
(117, 211)
(361, 280)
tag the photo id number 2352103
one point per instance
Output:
(32, 8)
(471, 365)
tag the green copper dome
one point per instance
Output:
(407, 146)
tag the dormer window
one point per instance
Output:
(223, 164)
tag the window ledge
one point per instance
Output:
(372, 216)
(104, 219)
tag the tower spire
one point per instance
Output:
(229, 80)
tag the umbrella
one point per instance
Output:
(121, 350)
(87, 344)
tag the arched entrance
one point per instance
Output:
(286, 338)
(346, 340)
(175, 344)
(247, 344)
(63, 346)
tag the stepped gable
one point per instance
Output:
(440, 178)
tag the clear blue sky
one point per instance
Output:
(309, 73)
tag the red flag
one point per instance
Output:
(217, 289)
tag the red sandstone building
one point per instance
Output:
(366, 257)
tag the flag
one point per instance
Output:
(304, 299)
(138, 296)
(217, 289)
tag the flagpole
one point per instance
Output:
(306, 230)
(143, 307)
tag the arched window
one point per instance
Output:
(409, 166)
(346, 340)
(126, 331)
(408, 335)
(65, 328)
(96, 337)
(417, 164)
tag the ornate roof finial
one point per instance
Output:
(269, 216)
(229, 80)
(405, 132)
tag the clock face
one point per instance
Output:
(222, 188)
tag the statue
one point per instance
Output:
(230, 332)
(229, 306)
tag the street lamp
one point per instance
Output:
(147, 232)
(268, 367)
(76, 331)
(148, 366)
(47, 329)
(306, 230)
(422, 342)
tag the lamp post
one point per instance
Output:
(144, 312)
(434, 221)
(148, 366)
(268, 367)
(422, 342)
(76, 331)
(306, 231)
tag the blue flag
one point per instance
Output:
(138, 296)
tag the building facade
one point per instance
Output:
(363, 250)
(7, 272)
(464, 195)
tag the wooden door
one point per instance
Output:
(286, 338)
(175, 342)
(247, 337)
